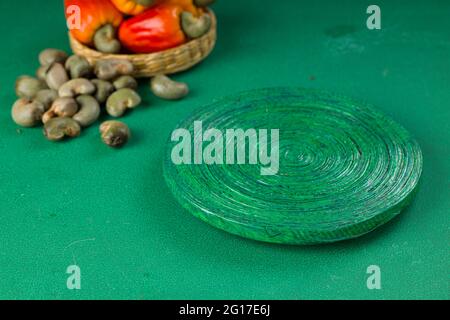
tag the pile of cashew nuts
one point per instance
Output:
(68, 94)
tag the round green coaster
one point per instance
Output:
(344, 167)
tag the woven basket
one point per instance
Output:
(163, 62)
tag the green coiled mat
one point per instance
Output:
(344, 168)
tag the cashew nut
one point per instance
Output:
(27, 113)
(58, 128)
(114, 133)
(56, 76)
(41, 72)
(78, 67)
(103, 89)
(121, 100)
(50, 56)
(76, 87)
(46, 97)
(125, 82)
(105, 39)
(203, 3)
(109, 69)
(195, 27)
(61, 107)
(165, 88)
(145, 3)
(28, 87)
(89, 111)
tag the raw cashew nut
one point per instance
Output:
(27, 113)
(56, 76)
(145, 3)
(114, 133)
(89, 111)
(125, 82)
(78, 67)
(41, 72)
(103, 89)
(165, 88)
(76, 87)
(203, 3)
(195, 27)
(121, 100)
(46, 97)
(58, 128)
(105, 39)
(61, 107)
(28, 87)
(50, 56)
(109, 69)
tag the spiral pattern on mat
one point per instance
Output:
(344, 168)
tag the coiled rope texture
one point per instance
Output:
(345, 169)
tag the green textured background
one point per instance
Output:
(111, 213)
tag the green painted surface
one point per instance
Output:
(111, 213)
(337, 168)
